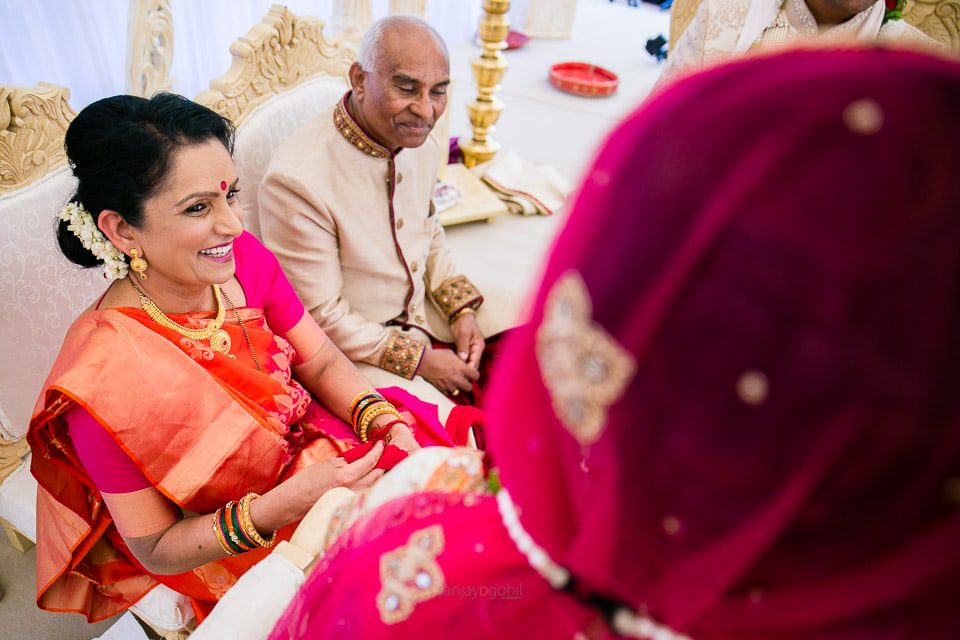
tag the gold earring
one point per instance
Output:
(138, 264)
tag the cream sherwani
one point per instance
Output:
(353, 227)
(721, 29)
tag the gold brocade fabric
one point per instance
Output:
(402, 355)
(455, 293)
(355, 135)
(583, 367)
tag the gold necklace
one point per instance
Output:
(219, 339)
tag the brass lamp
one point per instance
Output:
(488, 69)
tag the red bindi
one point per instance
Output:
(223, 185)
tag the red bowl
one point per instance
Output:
(583, 79)
(515, 39)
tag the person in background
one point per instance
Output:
(721, 29)
(346, 206)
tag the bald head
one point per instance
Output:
(374, 49)
(399, 84)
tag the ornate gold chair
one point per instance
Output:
(40, 292)
(939, 19)
(284, 72)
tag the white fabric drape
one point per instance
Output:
(82, 44)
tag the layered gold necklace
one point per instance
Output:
(219, 339)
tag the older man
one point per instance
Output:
(724, 28)
(346, 207)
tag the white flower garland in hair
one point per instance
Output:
(93, 240)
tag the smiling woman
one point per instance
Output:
(191, 386)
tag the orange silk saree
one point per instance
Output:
(204, 428)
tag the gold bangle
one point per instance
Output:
(368, 413)
(360, 396)
(218, 534)
(380, 409)
(463, 312)
(247, 522)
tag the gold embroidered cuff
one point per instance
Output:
(456, 293)
(402, 355)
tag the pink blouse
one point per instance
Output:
(265, 287)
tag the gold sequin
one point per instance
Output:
(353, 134)
(671, 525)
(410, 575)
(863, 116)
(461, 472)
(455, 293)
(752, 387)
(402, 355)
(583, 367)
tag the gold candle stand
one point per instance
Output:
(488, 69)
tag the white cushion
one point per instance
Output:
(270, 124)
(18, 500)
(164, 609)
(41, 293)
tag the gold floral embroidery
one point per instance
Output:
(353, 134)
(402, 355)
(461, 471)
(410, 575)
(583, 367)
(455, 293)
(216, 578)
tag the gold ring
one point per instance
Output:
(455, 392)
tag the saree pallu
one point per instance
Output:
(202, 427)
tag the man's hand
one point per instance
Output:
(447, 372)
(468, 339)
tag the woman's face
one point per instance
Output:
(190, 223)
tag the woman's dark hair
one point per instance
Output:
(121, 148)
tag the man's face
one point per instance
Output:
(837, 11)
(400, 101)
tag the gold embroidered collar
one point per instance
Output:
(353, 134)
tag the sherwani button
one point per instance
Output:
(399, 223)
(414, 266)
(419, 319)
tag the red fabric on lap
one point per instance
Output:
(390, 457)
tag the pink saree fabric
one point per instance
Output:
(775, 244)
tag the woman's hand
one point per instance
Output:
(401, 437)
(291, 499)
(337, 472)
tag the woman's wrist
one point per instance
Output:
(398, 429)
(281, 505)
